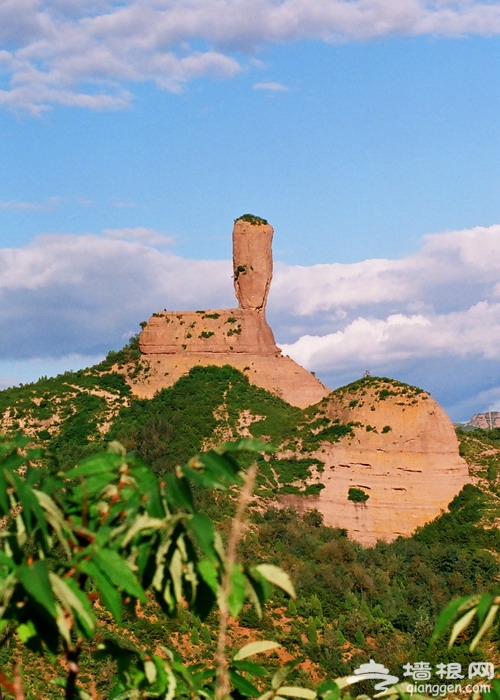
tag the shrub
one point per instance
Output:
(357, 495)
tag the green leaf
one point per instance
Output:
(483, 607)
(255, 648)
(178, 492)
(26, 631)
(296, 692)
(203, 530)
(110, 597)
(35, 581)
(140, 524)
(244, 445)
(223, 469)
(210, 574)
(329, 690)
(278, 577)
(487, 623)
(243, 685)
(118, 571)
(450, 612)
(4, 499)
(30, 508)
(176, 568)
(236, 597)
(150, 670)
(74, 601)
(281, 674)
(257, 590)
(202, 478)
(7, 589)
(494, 692)
(250, 667)
(94, 485)
(55, 519)
(460, 625)
(96, 464)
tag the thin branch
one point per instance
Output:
(18, 684)
(222, 685)
(72, 661)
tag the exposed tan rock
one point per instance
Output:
(214, 331)
(278, 374)
(486, 421)
(403, 454)
(252, 262)
(173, 342)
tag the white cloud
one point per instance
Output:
(271, 87)
(139, 233)
(48, 204)
(81, 294)
(473, 333)
(89, 54)
(432, 318)
(448, 272)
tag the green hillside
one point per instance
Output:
(352, 603)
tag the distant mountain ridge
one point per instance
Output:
(486, 420)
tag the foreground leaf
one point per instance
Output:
(255, 648)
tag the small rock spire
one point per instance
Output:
(252, 261)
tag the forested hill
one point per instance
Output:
(353, 603)
(377, 440)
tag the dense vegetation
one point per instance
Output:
(352, 603)
(252, 219)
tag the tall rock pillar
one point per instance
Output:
(252, 261)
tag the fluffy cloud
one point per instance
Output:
(86, 294)
(384, 342)
(139, 233)
(432, 318)
(451, 271)
(52, 48)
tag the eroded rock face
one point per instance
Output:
(175, 341)
(252, 262)
(213, 331)
(402, 453)
(401, 449)
(486, 421)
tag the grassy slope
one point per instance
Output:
(353, 603)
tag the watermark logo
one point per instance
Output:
(373, 671)
(421, 672)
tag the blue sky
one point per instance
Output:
(367, 132)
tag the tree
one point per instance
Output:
(108, 529)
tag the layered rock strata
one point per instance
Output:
(402, 453)
(175, 341)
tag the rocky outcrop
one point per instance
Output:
(401, 452)
(173, 342)
(486, 421)
(252, 261)
(386, 445)
(214, 331)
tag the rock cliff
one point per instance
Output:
(390, 453)
(174, 341)
(394, 444)
(252, 262)
(486, 421)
